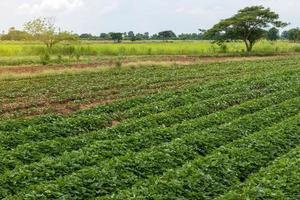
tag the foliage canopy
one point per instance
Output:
(249, 25)
(44, 29)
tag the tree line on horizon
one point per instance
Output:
(249, 25)
(131, 36)
(273, 34)
(22, 35)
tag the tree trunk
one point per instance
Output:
(249, 45)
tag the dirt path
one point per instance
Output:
(33, 69)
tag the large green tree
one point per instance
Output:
(249, 25)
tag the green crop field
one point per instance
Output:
(147, 113)
(219, 130)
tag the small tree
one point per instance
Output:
(166, 35)
(285, 35)
(146, 36)
(294, 34)
(105, 36)
(87, 36)
(273, 34)
(44, 29)
(131, 36)
(139, 36)
(117, 37)
(249, 25)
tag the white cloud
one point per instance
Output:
(50, 6)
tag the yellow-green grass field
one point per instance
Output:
(12, 49)
(26, 53)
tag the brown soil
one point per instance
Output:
(115, 122)
(31, 69)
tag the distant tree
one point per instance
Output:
(105, 36)
(139, 36)
(183, 36)
(125, 36)
(190, 36)
(285, 35)
(44, 29)
(131, 36)
(17, 35)
(87, 36)
(294, 34)
(155, 37)
(146, 36)
(117, 37)
(66, 36)
(249, 25)
(167, 35)
(273, 34)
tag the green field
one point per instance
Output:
(149, 113)
(41, 94)
(145, 48)
(220, 130)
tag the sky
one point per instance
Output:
(97, 16)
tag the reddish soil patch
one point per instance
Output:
(94, 104)
(39, 69)
(115, 122)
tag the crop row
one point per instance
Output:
(114, 84)
(31, 152)
(63, 128)
(54, 126)
(128, 77)
(196, 144)
(105, 81)
(183, 97)
(136, 107)
(213, 175)
(122, 172)
(121, 106)
(100, 150)
(105, 107)
(280, 180)
(14, 124)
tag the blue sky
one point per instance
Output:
(96, 16)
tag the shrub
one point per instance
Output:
(297, 48)
(45, 58)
